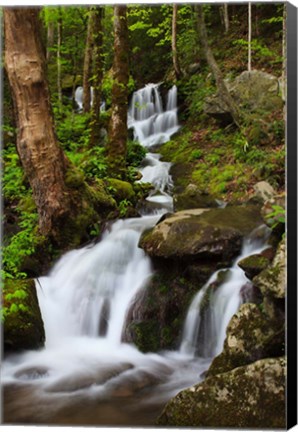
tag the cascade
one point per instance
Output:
(79, 98)
(204, 331)
(85, 299)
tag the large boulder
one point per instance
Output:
(250, 337)
(23, 325)
(251, 396)
(252, 91)
(155, 319)
(201, 233)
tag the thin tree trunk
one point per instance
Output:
(50, 39)
(98, 75)
(284, 53)
(221, 86)
(174, 42)
(88, 63)
(59, 43)
(226, 17)
(249, 37)
(42, 159)
(117, 144)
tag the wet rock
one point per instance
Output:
(80, 380)
(201, 233)
(253, 265)
(192, 198)
(250, 337)
(23, 325)
(32, 373)
(251, 396)
(131, 383)
(121, 190)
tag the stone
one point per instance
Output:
(250, 337)
(121, 190)
(201, 233)
(272, 281)
(192, 198)
(251, 396)
(252, 91)
(264, 191)
(23, 327)
(253, 265)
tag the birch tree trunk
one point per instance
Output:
(174, 42)
(50, 39)
(117, 144)
(226, 17)
(88, 63)
(98, 75)
(284, 54)
(249, 37)
(220, 84)
(42, 159)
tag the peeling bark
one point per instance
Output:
(118, 123)
(42, 159)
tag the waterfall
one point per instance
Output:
(205, 327)
(79, 98)
(85, 300)
(152, 124)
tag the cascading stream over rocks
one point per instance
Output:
(84, 303)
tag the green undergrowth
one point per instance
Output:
(219, 162)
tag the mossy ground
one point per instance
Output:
(218, 163)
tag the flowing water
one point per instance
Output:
(78, 96)
(86, 375)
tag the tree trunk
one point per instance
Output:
(221, 86)
(284, 54)
(59, 43)
(50, 39)
(118, 124)
(226, 17)
(98, 75)
(174, 42)
(88, 63)
(42, 159)
(249, 37)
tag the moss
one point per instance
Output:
(146, 335)
(253, 265)
(121, 190)
(74, 178)
(251, 396)
(23, 325)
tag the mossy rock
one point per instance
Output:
(251, 396)
(253, 265)
(23, 327)
(192, 198)
(69, 80)
(250, 337)
(121, 190)
(156, 317)
(202, 233)
(271, 281)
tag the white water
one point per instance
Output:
(204, 333)
(84, 301)
(79, 98)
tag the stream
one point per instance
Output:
(86, 374)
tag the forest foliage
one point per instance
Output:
(222, 165)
